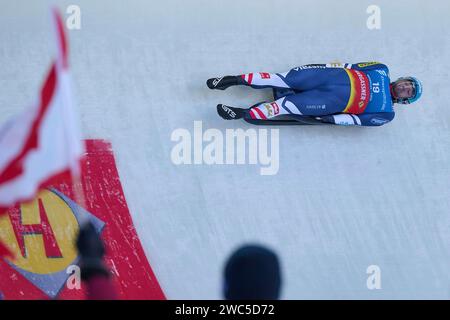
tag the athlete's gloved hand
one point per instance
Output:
(91, 249)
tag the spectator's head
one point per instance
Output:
(252, 273)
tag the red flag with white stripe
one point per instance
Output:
(44, 141)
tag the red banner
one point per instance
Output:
(41, 236)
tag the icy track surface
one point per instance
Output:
(343, 199)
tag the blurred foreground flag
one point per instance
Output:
(4, 251)
(44, 141)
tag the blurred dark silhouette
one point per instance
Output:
(93, 270)
(252, 273)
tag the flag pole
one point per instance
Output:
(77, 143)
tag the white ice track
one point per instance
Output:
(344, 198)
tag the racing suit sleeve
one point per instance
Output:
(365, 119)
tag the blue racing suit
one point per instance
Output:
(343, 94)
